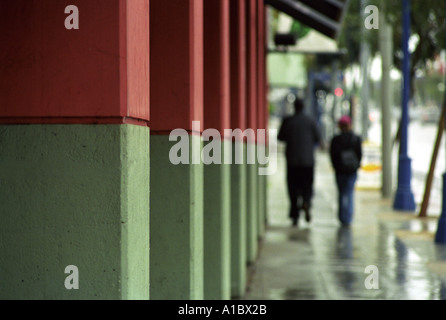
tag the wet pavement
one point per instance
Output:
(384, 255)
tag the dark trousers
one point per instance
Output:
(300, 188)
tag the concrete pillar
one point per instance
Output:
(238, 222)
(217, 174)
(75, 195)
(261, 184)
(365, 54)
(238, 171)
(386, 48)
(265, 109)
(261, 106)
(404, 197)
(252, 203)
(176, 243)
(251, 123)
(74, 148)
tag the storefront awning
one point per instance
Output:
(324, 16)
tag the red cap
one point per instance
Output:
(345, 120)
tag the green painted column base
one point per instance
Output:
(252, 205)
(238, 225)
(74, 195)
(176, 225)
(261, 196)
(217, 229)
(260, 207)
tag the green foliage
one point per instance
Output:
(350, 37)
(428, 23)
(299, 29)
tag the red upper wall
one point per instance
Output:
(98, 71)
(252, 66)
(238, 64)
(217, 65)
(176, 65)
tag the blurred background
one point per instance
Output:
(344, 76)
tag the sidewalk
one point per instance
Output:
(321, 260)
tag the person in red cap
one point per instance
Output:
(346, 155)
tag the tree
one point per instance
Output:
(299, 30)
(428, 30)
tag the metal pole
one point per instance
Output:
(404, 199)
(386, 105)
(364, 57)
(440, 235)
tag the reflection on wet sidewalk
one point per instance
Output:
(323, 260)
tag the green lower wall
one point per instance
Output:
(74, 195)
(135, 204)
(217, 232)
(263, 194)
(238, 226)
(264, 200)
(79, 195)
(176, 225)
(252, 207)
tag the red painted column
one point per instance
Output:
(238, 65)
(261, 66)
(176, 217)
(261, 117)
(252, 66)
(98, 73)
(265, 71)
(176, 65)
(238, 172)
(75, 191)
(216, 65)
(251, 123)
(217, 214)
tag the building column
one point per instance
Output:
(176, 225)
(217, 173)
(74, 144)
(261, 116)
(238, 170)
(251, 123)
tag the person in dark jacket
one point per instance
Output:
(301, 135)
(346, 174)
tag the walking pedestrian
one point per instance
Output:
(301, 135)
(346, 155)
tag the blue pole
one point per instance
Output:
(404, 199)
(440, 235)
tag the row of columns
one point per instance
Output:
(206, 220)
(74, 149)
(85, 121)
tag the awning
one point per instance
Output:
(324, 16)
